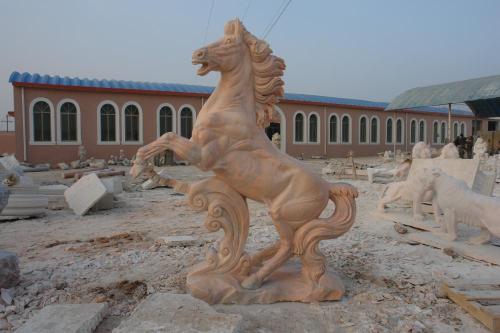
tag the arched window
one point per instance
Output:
(399, 131)
(346, 128)
(421, 131)
(435, 132)
(107, 115)
(455, 130)
(165, 120)
(132, 123)
(313, 128)
(186, 122)
(388, 137)
(42, 124)
(363, 130)
(333, 128)
(443, 132)
(299, 127)
(68, 122)
(462, 129)
(374, 131)
(413, 131)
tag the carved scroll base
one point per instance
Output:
(285, 285)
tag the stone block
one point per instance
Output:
(85, 193)
(113, 184)
(105, 203)
(66, 318)
(176, 313)
(9, 269)
(11, 164)
(25, 205)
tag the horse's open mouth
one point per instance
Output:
(204, 69)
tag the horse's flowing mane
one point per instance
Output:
(268, 70)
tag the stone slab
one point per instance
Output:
(177, 313)
(172, 241)
(464, 169)
(85, 193)
(66, 318)
(25, 205)
(486, 252)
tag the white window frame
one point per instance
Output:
(438, 137)
(304, 128)
(117, 123)
(442, 141)
(342, 129)
(370, 131)
(465, 127)
(425, 131)
(392, 134)
(193, 114)
(367, 129)
(52, 123)
(417, 131)
(318, 128)
(338, 130)
(453, 130)
(125, 142)
(78, 123)
(402, 131)
(174, 118)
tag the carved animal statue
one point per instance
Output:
(421, 150)
(460, 204)
(228, 138)
(449, 151)
(412, 189)
(399, 172)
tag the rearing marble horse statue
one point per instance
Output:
(228, 138)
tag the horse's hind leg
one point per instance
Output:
(264, 254)
(283, 253)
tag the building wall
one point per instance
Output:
(7, 142)
(88, 103)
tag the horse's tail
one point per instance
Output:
(307, 237)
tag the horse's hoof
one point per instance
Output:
(251, 282)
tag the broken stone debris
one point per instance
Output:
(173, 241)
(22, 205)
(66, 318)
(9, 269)
(10, 164)
(176, 313)
(154, 183)
(63, 166)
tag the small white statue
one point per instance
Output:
(450, 151)
(421, 150)
(480, 149)
(387, 156)
(276, 140)
(400, 172)
(460, 204)
(82, 154)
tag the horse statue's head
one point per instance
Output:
(230, 52)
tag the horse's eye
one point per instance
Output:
(228, 41)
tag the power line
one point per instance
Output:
(208, 23)
(277, 19)
(246, 10)
(276, 13)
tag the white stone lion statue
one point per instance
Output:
(421, 150)
(450, 151)
(480, 149)
(460, 204)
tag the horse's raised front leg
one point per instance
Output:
(182, 146)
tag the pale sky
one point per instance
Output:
(367, 49)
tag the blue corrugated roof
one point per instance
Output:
(17, 77)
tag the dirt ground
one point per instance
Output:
(110, 256)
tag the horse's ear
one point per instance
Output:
(233, 27)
